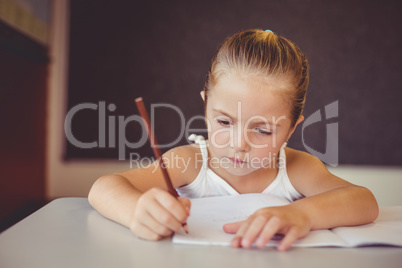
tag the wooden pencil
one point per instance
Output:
(154, 145)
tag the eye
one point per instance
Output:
(259, 130)
(224, 122)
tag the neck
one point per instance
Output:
(253, 182)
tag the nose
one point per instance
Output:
(239, 141)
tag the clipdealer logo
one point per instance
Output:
(122, 122)
(331, 154)
(109, 123)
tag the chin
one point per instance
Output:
(239, 171)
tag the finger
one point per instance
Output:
(143, 232)
(253, 231)
(237, 240)
(231, 228)
(156, 226)
(290, 237)
(163, 216)
(186, 204)
(270, 229)
(173, 206)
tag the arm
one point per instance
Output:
(114, 196)
(138, 198)
(329, 202)
(345, 206)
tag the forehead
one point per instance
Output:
(250, 97)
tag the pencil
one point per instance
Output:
(158, 155)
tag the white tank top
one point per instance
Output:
(208, 183)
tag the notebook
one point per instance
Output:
(208, 215)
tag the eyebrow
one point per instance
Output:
(254, 123)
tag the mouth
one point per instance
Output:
(237, 160)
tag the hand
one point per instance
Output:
(158, 214)
(260, 227)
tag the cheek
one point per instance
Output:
(219, 136)
(222, 137)
(258, 140)
(263, 146)
(264, 152)
(261, 141)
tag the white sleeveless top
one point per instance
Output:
(208, 183)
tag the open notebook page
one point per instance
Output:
(208, 215)
(386, 230)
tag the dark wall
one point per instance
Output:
(161, 50)
(23, 84)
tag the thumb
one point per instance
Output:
(186, 204)
(231, 228)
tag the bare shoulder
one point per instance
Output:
(308, 174)
(183, 164)
(301, 162)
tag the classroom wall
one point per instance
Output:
(75, 176)
(161, 50)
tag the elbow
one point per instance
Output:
(95, 190)
(374, 212)
(372, 206)
(91, 196)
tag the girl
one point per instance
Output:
(254, 97)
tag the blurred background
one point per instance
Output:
(57, 55)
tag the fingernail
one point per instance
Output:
(245, 242)
(281, 247)
(259, 242)
(236, 242)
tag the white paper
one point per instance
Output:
(385, 230)
(208, 215)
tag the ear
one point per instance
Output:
(301, 118)
(202, 93)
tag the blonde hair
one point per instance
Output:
(264, 54)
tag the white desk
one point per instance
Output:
(68, 232)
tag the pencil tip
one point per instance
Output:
(138, 99)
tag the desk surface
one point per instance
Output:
(68, 232)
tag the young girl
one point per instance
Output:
(254, 97)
